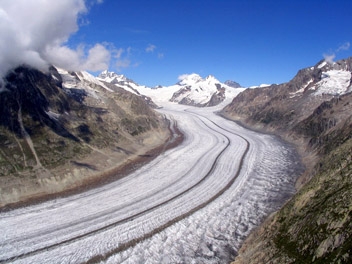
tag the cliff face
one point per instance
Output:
(315, 225)
(59, 129)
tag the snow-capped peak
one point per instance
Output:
(189, 79)
(192, 89)
(109, 76)
(211, 79)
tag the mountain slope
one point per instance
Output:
(294, 101)
(59, 129)
(314, 111)
(315, 226)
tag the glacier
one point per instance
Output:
(195, 203)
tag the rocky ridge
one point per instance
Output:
(313, 111)
(232, 84)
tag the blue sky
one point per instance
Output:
(251, 42)
(155, 41)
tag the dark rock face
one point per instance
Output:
(182, 91)
(233, 84)
(217, 98)
(33, 94)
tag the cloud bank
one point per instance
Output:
(35, 32)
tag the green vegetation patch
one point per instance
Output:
(320, 231)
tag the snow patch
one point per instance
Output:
(321, 65)
(83, 81)
(335, 82)
(300, 91)
(260, 86)
(53, 115)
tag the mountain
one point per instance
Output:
(114, 78)
(284, 106)
(119, 80)
(192, 89)
(314, 112)
(61, 129)
(233, 84)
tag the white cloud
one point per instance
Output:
(329, 57)
(35, 32)
(122, 59)
(119, 52)
(344, 46)
(123, 63)
(98, 58)
(150, 48)
(186, 76)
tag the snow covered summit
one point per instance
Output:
(189, 79)
(113, 78)
(191, 89)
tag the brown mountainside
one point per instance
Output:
(315, 225)
(53, 137)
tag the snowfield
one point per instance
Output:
(193, 204)
(333, 82)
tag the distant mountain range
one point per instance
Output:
(191, 90)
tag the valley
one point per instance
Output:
(178, 206)
(175, 132)
(179, 183)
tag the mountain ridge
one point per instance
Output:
(232, 84)
(191, 89)
(313, 111)
(59, 129)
